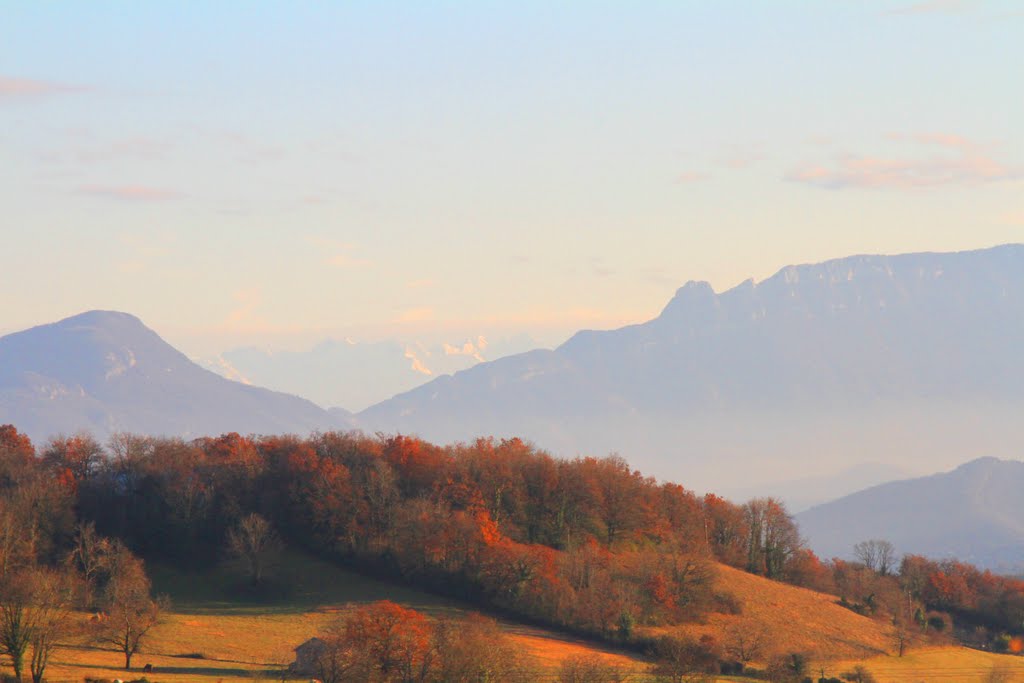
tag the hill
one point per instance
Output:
(791, 619)
(212, 635)
(908, 359)
(974, 513)
(105, 371)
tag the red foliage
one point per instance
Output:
(14, 444)
(396, 640)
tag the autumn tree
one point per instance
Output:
(725, 530)
(620, 504)
(396, 642)
(475, 649)
(77, 456)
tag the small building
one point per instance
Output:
(306, 657)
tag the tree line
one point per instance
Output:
(588, 545)
(53, 565)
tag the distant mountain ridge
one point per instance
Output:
(910, 361)
(973, 513)
(903, 353)
(105, 371)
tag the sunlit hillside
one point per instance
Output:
(211, 635)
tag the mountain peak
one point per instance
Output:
(106, 371)
(100, 317)
(695, 296)
(984, 463)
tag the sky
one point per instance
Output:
(274, 173)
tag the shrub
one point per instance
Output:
(859, 674)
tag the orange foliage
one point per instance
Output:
(396, 640)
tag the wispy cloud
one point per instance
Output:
(687, 177)
(959, 161)
(24, 87)
(132, 193)
(421, 283)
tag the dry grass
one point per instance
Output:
(940, 664)
(797, 619)
(241, 640)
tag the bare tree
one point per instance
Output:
(338, 660)
(902, 632)
(878, 555)
(256, 545)
(859, 674)
(14, 546)
(132, 611)
(89, 556)
(476, 649)
(53, 595)
(15, 619)
(745, 642)
(773, 537)
(680, 660)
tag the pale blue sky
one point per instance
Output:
(277, 172)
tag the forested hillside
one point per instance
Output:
(585, 545)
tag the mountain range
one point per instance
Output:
(973, 513)
(914, 360)
(910, 361)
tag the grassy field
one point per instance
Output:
(797, 619)
(213, 635)
(945, 664)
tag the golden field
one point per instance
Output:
(209, 637)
